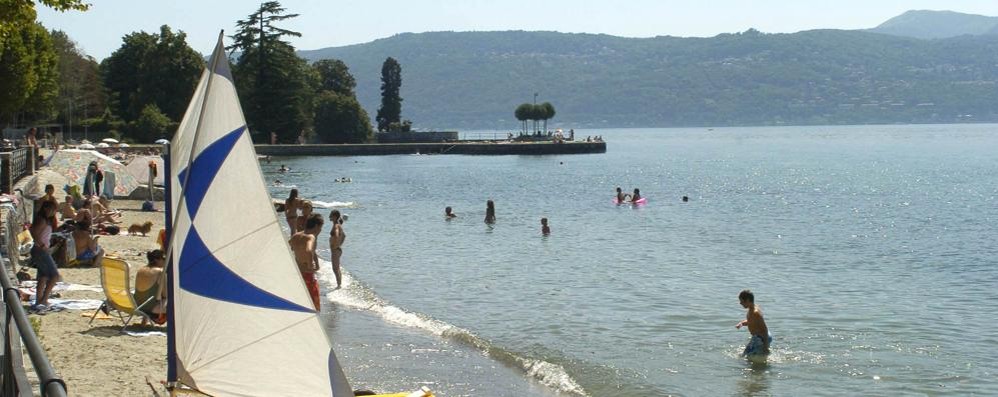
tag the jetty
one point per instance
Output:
(465, 147)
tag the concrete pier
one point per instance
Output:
(473, 148)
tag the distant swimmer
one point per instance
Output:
(490, 212)
(621, 197)
(449, 213)
(761, 339)
(636, 196)
(686, 199)
(277, 182)
(545, 229)
(283, 168)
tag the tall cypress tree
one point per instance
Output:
(391, 102)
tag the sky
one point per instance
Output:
(333, 23)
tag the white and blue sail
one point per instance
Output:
(242, 322)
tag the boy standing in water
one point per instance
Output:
(336, 237)
(545, 230)
(303, 246)
(761, 339)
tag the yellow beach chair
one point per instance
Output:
(115, 280)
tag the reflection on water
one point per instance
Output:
(755, 378)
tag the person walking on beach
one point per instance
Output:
(545, 229)
(336, 237)
(291, 210)
(490, 212)
(761, 339)
(303, 246)
(48, 272)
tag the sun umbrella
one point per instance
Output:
(162, 141)
(122, 145)
(36, 186)
(86, 146)
(73, 164)
(109, 140)
(103, 145)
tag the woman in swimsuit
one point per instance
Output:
(291, 210)
(336, 237)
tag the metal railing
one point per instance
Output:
(13, 378)
(15, 165)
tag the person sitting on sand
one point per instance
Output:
(303, 246)
(545, 229)
(490, 212)
(66, 209)
(87, 250)
(336, 237)
(291, 210)
(761, 339)
(99, 213)
(448, 213)
(147, 286)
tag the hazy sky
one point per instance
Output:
(342, 22)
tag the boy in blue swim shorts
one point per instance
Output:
(761, 339)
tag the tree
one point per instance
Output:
(334, 75)
(274, 83)
(152, 69)
(522, 113)
(81, 94)
(28, 74)
(151, 124)
(341, 119)
(18, 14)
(546, 112)
(391, 102)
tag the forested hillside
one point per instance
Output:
(475, 79)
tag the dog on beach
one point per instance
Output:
(144, 228)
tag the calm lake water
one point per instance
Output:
(872, 251)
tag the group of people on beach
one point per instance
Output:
(305, 227)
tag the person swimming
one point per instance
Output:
(449, 213)
(621, 197)
(283, 168)
(636, 196)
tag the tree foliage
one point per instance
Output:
(334, 75)
(28, 74)
(274, 84)
(19, 14)
(151, 125)
(152, 69)
(340, 119)
(391, 100)
(81, 93)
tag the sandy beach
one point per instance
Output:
(98, 360)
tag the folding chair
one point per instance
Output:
(116, 281)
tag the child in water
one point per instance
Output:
(545, 229)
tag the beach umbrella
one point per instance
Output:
(84, 141)
(122, 145)
(139, 168)
(36, 186)
(103, 145)
(109, 140)
(162, 141)
(73, 164)
(86, 146)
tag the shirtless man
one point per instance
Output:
(761, 339)
(621, 197)
(336, 237)
(303, 245)
(87, 250)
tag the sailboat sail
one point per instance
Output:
(243, 323)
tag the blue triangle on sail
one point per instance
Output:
(204, 168)
(203, 274)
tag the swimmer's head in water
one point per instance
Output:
(544, 221)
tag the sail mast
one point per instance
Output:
(171, 341)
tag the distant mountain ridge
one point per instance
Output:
(928, 24)
(474, 80)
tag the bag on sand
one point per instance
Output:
(148, 206)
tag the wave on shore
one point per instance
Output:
(357, 296)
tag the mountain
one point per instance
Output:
(474, 80)
(926, 24)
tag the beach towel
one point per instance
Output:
(109, 184)
(74, 304)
